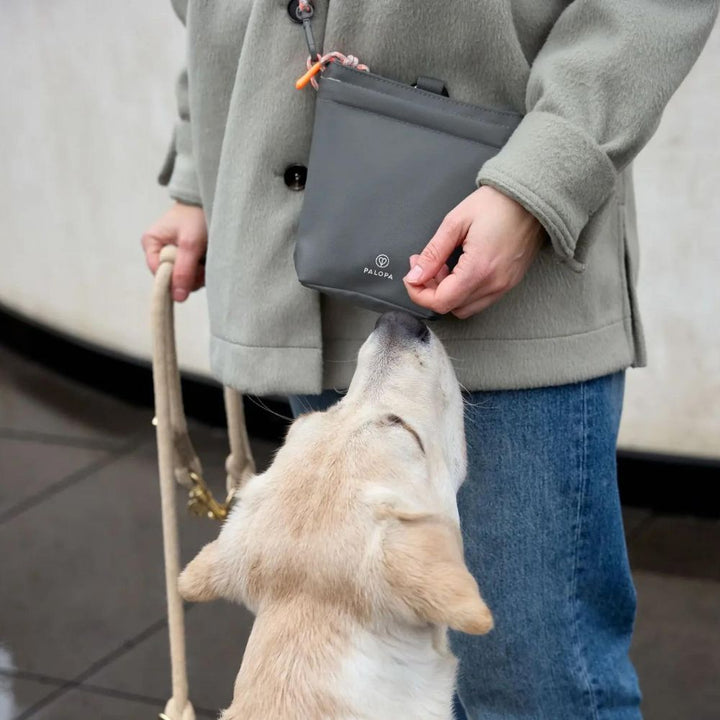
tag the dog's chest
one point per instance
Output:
(398, 674)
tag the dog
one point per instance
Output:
(348, 548)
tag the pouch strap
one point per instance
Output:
(430, 84)
(305, 12)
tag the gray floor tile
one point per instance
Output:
(676, 648)
(678, 545)
(216, 632)
(80, 705)
(19, 694)
(36, 400)
(216, 637)
(633, 519)
(28, 468)
(85, 572)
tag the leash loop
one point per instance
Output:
(178, 463)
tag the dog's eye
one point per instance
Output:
(392, 419)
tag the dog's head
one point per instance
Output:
(358, 508)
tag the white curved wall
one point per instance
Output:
(674, 404)
(87, 106)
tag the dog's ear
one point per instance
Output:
(425, 568)
(197, 582)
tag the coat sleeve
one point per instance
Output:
(595, 95)
(178, 172)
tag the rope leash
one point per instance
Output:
(178, 463)
(177, 460)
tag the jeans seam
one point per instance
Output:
(580, 659)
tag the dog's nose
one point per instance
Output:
(401, 324)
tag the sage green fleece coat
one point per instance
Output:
(592, 78)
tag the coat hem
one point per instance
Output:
(486, 364)
(266, 370)
(513, 363)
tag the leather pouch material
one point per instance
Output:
(387, 163)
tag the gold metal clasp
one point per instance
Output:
(201, 502)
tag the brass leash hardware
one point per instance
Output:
(201, 502)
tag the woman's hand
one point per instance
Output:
(500, 239)
(184, 226)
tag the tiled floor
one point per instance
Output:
(82, 608)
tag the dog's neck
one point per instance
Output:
(305, 661)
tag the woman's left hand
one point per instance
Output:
(500, 239)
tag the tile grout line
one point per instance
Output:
(94, 667)
(69, 480)
(67, 685)
(639, 529)
(78, 682)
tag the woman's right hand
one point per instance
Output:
(184, 226)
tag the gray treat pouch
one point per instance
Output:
(388, 161)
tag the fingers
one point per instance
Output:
(152, 247)
(187, 267)
(476, 306)
(199, 278)
(448, 236)
(184, 226)
(451, 289)
(432, 281)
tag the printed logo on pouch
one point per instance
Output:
(382, 261)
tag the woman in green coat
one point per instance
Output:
(541, 312)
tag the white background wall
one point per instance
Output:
(87, 108)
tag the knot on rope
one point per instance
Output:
(314, 66)
(238, 471)
(168, 254)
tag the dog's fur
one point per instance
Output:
(348, 549)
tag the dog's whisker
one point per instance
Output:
(262, 405)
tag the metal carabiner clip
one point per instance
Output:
(304, 13)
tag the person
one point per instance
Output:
(540, 313)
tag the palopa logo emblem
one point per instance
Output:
(382, 260)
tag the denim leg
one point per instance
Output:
(543, 535)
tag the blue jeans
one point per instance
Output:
(544, 537)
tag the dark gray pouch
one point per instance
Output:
(387, 162)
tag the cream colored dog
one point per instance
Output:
(348, 548)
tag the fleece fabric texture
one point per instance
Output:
(591, 77)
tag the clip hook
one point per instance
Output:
(304, 13)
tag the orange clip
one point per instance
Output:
(301, 82)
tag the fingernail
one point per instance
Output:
(179, 295)
(415, 274)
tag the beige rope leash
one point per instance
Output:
(178, 462)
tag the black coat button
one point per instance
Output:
(295, 177)
(292, 9)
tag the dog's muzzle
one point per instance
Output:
(402, 326)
